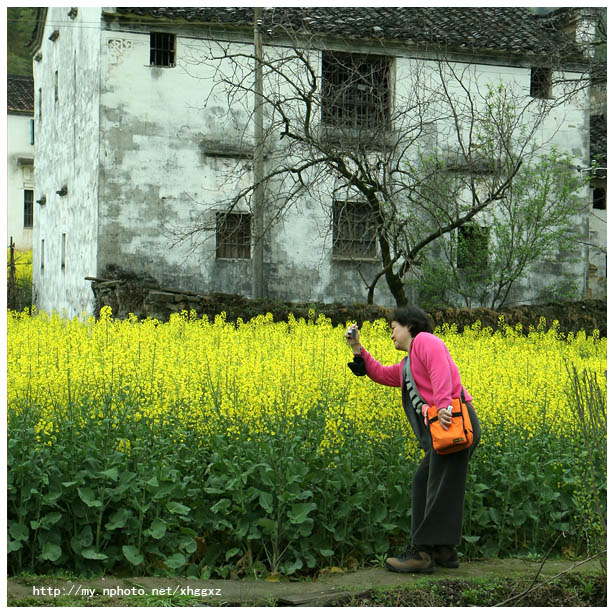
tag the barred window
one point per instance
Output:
(161, 49)
(472, 252)
(233, 235)
(28, 208)
(354, 230)
(355, 90)
(541, 82)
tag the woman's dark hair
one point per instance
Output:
(414, 318)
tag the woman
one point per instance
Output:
(438, 487)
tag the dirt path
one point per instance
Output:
(110, 591)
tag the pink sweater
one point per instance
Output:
(435, 373)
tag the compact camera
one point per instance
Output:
(351, 331)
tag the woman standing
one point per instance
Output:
(438, 486)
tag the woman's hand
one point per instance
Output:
(352, 336)
(445, 417)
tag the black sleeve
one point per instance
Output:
(357, 366)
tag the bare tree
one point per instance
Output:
(396, 163)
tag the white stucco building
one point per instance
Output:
(20, 159)
(131, 142)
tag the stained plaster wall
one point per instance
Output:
(66, 154)
(166, 158)
(157, 174)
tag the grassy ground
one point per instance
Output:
(579, 590)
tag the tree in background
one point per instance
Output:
(405, 166)
(19, 27)
(531, 227)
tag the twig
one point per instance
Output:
(532, 587)
(544, 562)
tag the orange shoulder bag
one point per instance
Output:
(459, 434)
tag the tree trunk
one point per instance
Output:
(394, 281)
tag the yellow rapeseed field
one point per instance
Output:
(265, 374)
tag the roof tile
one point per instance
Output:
(20, 94)
(515, 30)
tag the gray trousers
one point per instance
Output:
(438, 493)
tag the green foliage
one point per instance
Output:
(19, 27)
(533, 223)
(174, 502)
(589, 404)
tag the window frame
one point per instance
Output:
(239, 249)
(344, 220)
(28, 208)
(156, 52)
(541, 82)
(355, 110)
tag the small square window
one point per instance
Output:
(541, 82)
(161, 49)
(354, 230)
(472, 252)
(233, 235)
(28, 208)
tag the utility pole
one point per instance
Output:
(258, 205)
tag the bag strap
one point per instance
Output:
(411, 378)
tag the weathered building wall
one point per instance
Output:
(66, 152)
(169, 153)
(20, 177)
(167, 158)
(159, 174)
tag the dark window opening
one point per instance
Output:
(599, 198)
(355, 90)
(28, 208)
(63, 253)
(233, 235)
(354, 230)
(161, 49)
(472, 251)
(541, 82)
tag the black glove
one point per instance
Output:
(357, 366)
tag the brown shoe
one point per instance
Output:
(416, 559)
(445, 556)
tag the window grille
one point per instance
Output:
(541, 82)
(233, 235)
(28, 208)
(355, 90)
(161, 49)
(354, 230)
